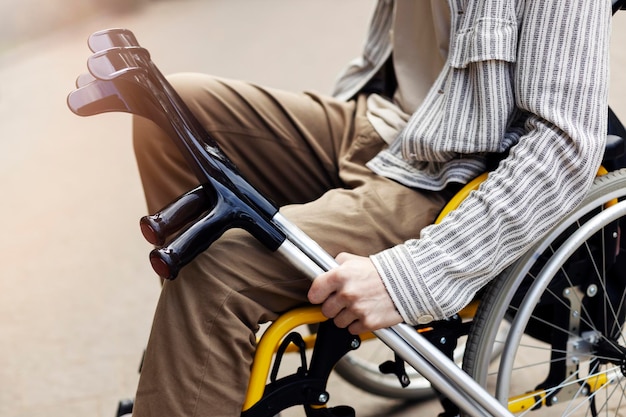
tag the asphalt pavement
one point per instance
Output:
(76, 290)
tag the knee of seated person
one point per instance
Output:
(185, 85)
(150, 142)
(148, 139)
(194, 87)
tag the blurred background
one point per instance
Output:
(76, 290)
(27, 19)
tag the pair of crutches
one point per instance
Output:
(122, 78)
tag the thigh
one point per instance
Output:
(368, 214)
(368, 219)
(287, 144)
(365, 220)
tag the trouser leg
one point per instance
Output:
(295, 148)
(286, 144)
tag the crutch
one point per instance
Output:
(123, 78)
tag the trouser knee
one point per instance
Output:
(163, 170)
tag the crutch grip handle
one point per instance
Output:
(169, 220)
(229, 212)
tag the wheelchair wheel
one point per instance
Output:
(566, 303)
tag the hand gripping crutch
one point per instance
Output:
(123, 78)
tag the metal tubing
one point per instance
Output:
(549, 270)
(307, 245)
(480, 401)
(297, 258)
(444, 384)
(402, 339)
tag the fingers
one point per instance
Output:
(353, 295)
(321, 288)
(342, 316)
(344, 257)
(333, 306)
(327, 283)
(358, 325)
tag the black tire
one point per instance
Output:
(576, 319)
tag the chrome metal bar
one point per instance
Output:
(299, 259)
(303, 241)
(481, 403)
(443, 373)
(427, 369)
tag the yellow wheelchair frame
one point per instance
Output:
(272, 338)
(270, 341)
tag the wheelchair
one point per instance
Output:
(546, 336)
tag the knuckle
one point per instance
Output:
(342, 257)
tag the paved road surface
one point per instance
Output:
(76, 290)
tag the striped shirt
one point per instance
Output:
(524, 77)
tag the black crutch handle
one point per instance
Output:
(157, 227)
(229, 212)
(125, 79)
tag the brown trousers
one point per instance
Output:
(307, 153)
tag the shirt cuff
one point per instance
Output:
(407, 288)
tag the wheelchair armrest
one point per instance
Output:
(614, 149)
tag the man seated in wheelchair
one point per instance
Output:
(443, 92)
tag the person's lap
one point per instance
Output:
(308, 153)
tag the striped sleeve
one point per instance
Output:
(375, 52)
(561, 84)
